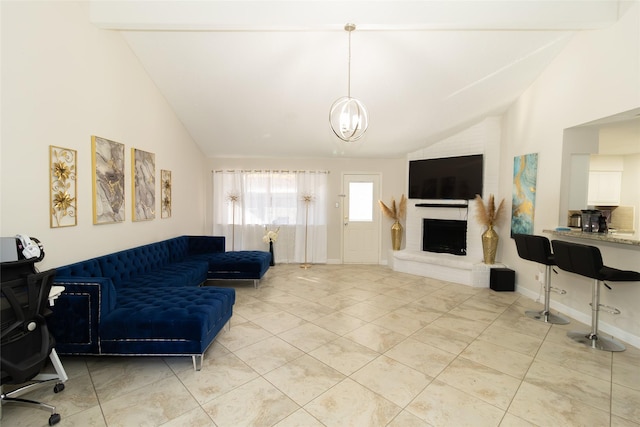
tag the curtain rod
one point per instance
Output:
(265, 171)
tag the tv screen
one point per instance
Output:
(452, 178)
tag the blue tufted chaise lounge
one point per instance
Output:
(148, 300)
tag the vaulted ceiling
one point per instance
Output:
(257, 78)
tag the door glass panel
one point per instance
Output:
(360, 201)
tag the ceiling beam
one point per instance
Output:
(328, 15)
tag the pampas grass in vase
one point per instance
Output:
(396, 213)
(488, 215)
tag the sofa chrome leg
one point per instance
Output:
(255, 283)
(197, 361)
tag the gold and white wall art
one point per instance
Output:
(62, 187)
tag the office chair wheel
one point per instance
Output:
(58, 388)
(54, 419)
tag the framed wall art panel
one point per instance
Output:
(165, 190)
(143, 181)
(107, 159)
(63, 200)
(525, 176)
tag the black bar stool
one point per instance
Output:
(587, 261)
(538, 249)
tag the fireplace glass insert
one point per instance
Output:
(444, 236)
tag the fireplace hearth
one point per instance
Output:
(444, 236)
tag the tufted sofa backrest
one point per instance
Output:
(123, 265)
(178, 248)
(88, 268)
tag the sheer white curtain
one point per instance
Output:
(247, 203)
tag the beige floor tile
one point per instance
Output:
(543, 407)
(344, 355)
(570, 383)
(400, 323)
(487, 384)
(300, 418)
(421, 357)
(626, 368)
(499, 358)
(243, 335)
(392, 380)
(279, 322)
(626, 403)
(461, 325)
(149, 406)
(92, 417)
(127, 374)
(375, 337)
(256, 403)
(255, 309)
(511, 420)
(617, 421)
(217, 377)
(444, 339)
(514, 318)
(351, 404)
(443, 405)
(386, 301)
(578, 357)
(366, 312)
(337, 301)
(339, 323)
(407, 419)
(358, 294)
(304, 379)
(408, 293)
(269, 354)
(513, 340)
(308, 337)
(418, 312)
(195, 418)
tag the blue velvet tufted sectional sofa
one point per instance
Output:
(149, 300)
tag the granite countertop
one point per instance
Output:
(622, 238)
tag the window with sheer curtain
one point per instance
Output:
(248, 203)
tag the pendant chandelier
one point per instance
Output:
(348, 117)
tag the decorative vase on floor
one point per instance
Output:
(273, 260)
(489, 245)
(396, 235)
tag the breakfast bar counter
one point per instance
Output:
(620, 238)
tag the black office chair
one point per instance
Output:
(26, 341)
(587, 261)
(538, 249)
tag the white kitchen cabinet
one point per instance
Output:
(604, 188)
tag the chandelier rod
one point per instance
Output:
(349, 29)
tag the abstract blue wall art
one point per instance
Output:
(525, 173)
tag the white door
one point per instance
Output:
(361, 219)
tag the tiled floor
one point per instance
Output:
(360, 346)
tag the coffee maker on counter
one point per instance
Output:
(594, 221)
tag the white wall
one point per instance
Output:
(596, 76)
(64, 80)
(393, 173)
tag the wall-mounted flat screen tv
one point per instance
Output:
(451, 178)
